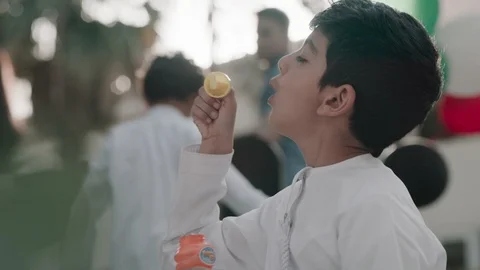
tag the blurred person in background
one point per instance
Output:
(136, 172)
(250, 77)
(11, 254)
(9, 134)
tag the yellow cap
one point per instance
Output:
(217, 84)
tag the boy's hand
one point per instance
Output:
(215, 119)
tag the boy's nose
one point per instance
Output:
(282, 64)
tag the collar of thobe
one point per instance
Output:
(307, 172)
(357, 161)
(291, 206)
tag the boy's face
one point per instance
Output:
(299, 106)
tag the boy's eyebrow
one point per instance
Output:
(310, 43)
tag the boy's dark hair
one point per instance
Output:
(276, 15)
(391, 62)
(171, 78)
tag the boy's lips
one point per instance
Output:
(270, 99)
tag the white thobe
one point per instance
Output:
(135, 174)
(353, 215)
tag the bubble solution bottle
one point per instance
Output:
(194, 253)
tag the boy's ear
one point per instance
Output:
(336, 101)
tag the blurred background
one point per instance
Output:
(71, 69)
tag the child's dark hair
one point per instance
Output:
(389, 59)
(171, 78)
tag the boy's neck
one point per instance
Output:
(319, 152)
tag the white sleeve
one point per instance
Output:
(93, 199)
(241, 196)
(372, 236)
(239, 242)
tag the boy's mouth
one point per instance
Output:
(270, 99)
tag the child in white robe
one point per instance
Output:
(135, 174)
(365, 77)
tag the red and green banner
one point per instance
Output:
(455, 28)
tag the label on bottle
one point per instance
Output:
(207, 256)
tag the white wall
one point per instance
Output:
(457, 212)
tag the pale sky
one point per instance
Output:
(185, 28)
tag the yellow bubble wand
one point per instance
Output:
(217, 84)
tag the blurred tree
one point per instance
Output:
(72, 51)
(79, 56)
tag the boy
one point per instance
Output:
(137, 172)
(364, 78)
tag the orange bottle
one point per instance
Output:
(194, 253)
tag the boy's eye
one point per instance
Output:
(301, 59)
